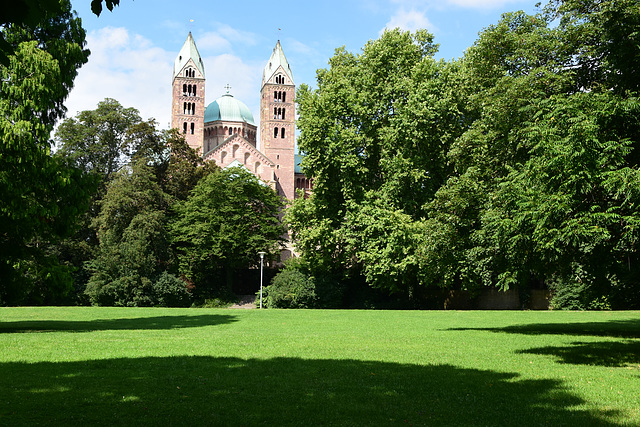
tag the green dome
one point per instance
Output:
(228, 109)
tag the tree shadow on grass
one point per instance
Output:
(282, 391)
(601, 353)
(614, 328)
(158, 322)
(610, 353)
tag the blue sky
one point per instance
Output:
(134, 47)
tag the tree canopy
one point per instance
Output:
(40, 196)
(515, 166)
(229, 217)
(375, 134)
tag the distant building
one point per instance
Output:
(225, 132)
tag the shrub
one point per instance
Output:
(125, 291)
(578, 291)
(290, 289)
(171, 291)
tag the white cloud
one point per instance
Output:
(223, 37)
(132, 70)
(301, 48)
(244, 79)
(410, 20)
(127, 68)
(234, 35)
(481, 4)
(467, 4)
(213, 41)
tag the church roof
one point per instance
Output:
(188, 51)
(227, 108)
(277, 59)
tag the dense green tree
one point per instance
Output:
(516, 165)
(104, 143)
(545, 180)
(34, 14)
(229, 217)
(181, 168)
(101, 141)
(40, 196)
(375, 134)
(133, 246)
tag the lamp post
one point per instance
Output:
(261, 260)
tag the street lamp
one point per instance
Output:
(261, 260)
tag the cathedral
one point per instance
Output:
(225, 131)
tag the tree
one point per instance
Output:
(180, 171)
(35, 13)
(229, 217)
(101, 141)
(375, 135)
(133, 246)
(40, 196)
(108, 141)
(544, 188)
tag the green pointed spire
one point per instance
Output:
(188, 51)
(277, 60)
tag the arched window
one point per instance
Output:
(184, 89)
(275, 96)
(246, 158)
(189, 90)
(275, 132)
(275, 113)
(184, 128)
(194, 91)
(256, 168)
(282, 133)
(193, 128)
(230, 131)
(283, 114)
(279, 96)
(193, 108)
(284, 96)
(185, 108)
(235, 150)
(222, 157)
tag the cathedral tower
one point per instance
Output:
(277, 120)
(187, 104)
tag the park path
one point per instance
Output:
(246, 302)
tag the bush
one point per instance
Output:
(290, 289)
(125, 291)
(577, 291)
(171, 291)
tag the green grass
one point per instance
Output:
(116, 366)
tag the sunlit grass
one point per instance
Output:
(117, 366)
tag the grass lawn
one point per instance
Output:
(129, 366)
